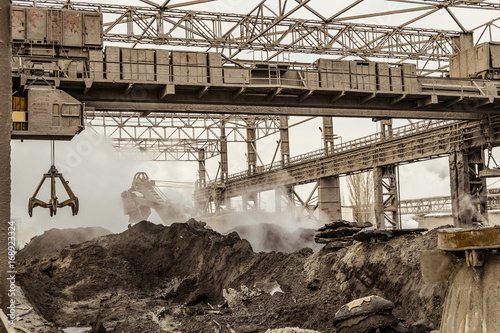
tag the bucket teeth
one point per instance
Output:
(53, 203)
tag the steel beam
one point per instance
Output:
(284, 141)
(6, 127)
(416, 142)
(468, 190)
(264, 30)
(385, 197)
(328, 136)
(251, 148)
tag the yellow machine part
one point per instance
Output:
(19, 113)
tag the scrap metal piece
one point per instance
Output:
(53, 203)
(469, 239)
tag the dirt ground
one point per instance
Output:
(187, 278)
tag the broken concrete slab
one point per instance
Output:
(343, 223)
(370, 234)
(339, 232)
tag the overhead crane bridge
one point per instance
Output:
(63, 74)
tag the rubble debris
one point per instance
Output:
(290, 330)
(344, 223)
(130, 277)
(383, 235)
(365, 315)
(339, 234)
(97, 326)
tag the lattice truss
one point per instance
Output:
(177, 137)
(274, 27)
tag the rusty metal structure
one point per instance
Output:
(441, 204)
(188, 105)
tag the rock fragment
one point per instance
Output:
(365, 315)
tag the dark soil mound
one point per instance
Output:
(173, 279)
(57, 239)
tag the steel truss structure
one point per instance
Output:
(274, 32)
(178, 137)
(441, 204)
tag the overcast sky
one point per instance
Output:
(97, 177)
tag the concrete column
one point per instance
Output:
(329, 198)
(328, 134)
(285, 141)
(385, 196)
(251, 147)
(468, 191)
(6, 126)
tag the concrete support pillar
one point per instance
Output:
(224, 166)
(6, 126)
(328, 136)
(285, 141)
(251, 147)
(329, 198)
(202, 182)
(468, 191)
(385, 197)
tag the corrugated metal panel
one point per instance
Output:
(312, 79)
(472, 62)
(495, 55)
(482, 57)
(96, 65)
(54, 33)
(396, 80)
(180, 71)
(236, 75)
(72, 28)
(384, 82)
(142, 64)
(112, 63)
(36, 27)
(215, 71)
(150, 65)
(410, 81)
(92, 29)
(163, 66)
(18, 24)
(126, 58)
